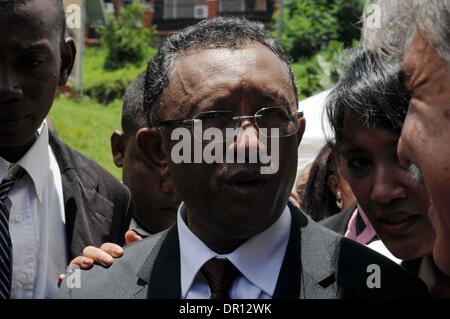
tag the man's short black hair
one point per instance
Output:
(133, 117)
(59, 6)
(372, 91)
(222, 32)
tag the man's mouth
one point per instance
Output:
(245, 184)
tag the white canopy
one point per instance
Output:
(314, 138)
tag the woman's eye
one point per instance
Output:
(358, 164)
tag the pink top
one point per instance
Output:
(367, 234)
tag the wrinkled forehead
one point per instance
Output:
(30, 21)
(224, 61)
(208, 77)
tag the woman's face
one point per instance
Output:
(394, 204)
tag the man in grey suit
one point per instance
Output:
(237, 235)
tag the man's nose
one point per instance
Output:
(248, 136)
(10, 90)
(402, 153)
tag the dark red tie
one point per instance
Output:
(220, 275)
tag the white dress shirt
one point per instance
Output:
(259, 261)
(37, 222)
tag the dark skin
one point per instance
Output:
(223, 214)
(154, 201)
(33, 63)
(395, 205)
(227, 204)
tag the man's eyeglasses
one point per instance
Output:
(268, 120)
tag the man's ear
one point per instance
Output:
(118, 146)
(301, 130)
(68, 54)
(149, 142)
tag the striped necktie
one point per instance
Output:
(5, 240)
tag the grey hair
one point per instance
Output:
(398, 22)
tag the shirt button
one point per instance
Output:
(18, 218)
(23, 278)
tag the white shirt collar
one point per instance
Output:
(36, 161)
(259, 259)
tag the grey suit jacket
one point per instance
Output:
(318, 264)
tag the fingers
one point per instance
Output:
(97, 255)
(61, 279)
(131, 237)
(82, 262)
(112, 249)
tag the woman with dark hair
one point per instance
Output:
(366, 111)
(326, 192)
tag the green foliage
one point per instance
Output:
(318, 73)
(107, 85)
(308, 25)
(87, 127)
(125, 38)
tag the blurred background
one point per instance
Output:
(116, 38)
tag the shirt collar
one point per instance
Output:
(36, 161)
(259, 259)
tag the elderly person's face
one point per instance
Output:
(426, 135)
(227, 204)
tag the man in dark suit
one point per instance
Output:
(53, 200)
(237, 235)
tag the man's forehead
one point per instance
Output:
(204, 78)
(223, 58)
(244, 66)
(31, 21)
(422, 61)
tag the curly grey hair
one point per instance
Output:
(398, 22)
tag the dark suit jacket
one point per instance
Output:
(97, 205)
(318, 264)
(339, 222)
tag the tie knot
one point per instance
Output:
(220, 275)
(8, 183)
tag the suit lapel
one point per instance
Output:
(308, 247)
(83, 205)
(289, 279)
(319, 252)
(164, 281)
